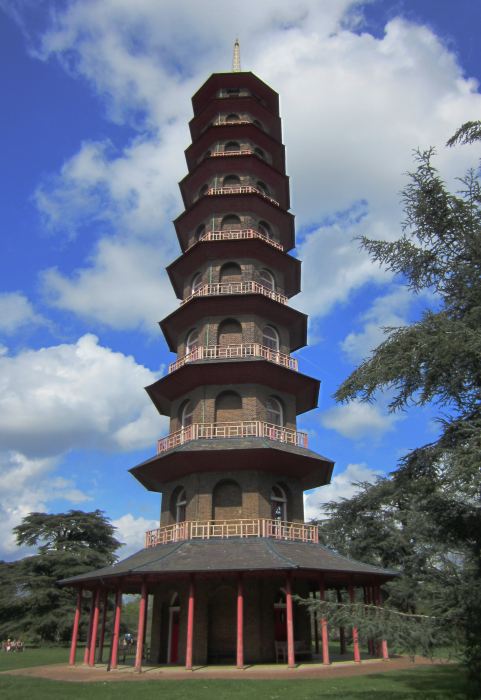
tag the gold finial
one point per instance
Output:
(236, 66)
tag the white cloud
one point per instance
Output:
(353, 106)
(16, 311)
(123, 286)
(81, 395)
(131, 531)
(28, 485)
(387, 311)
(357, 420)
(342, 486)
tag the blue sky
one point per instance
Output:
(95, 105)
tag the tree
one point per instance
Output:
(438, 360)
(31, 604)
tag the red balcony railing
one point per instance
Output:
(237, 234)
(235, 288)
(222, 352)
(240, 429)
(241, 189)
(223, 529)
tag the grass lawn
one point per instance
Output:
(33, 657)
(434, 683)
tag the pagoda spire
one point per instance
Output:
(236, 64)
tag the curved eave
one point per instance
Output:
(251, 104)
(243, 80)
(234, 454)
(252, 556)
(228, 305)
(233, 372)
(204, 207)
(240, 165)
(231, 131)
(188, 263)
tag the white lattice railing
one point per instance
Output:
(238, 152)
(226, 352)
(237, 234)
(221, 121)
(222, 529)
(235, 288)
(240, 429)
(241, 189)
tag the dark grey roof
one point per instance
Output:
(233, 554)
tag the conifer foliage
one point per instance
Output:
(427, 517)
(32, 605)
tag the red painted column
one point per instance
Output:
(141, 627)
(116, 635)
(105, 598)
(324, 628)
(342, 632)
(240, 622)
(89, 631)
(190, 626)
(76, 622)
(355, 635)
(291, 657)
(384, 649)
(95, 625)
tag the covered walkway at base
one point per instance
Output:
(196, 567)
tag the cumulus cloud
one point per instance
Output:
(342, 485)
(28, 484)
(353, 105)
(16, 311)
(80, 395)
(357, 420)
(131, 530)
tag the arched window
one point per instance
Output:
(231, 181)
(227, 501)
(228, 407)
(196, 283)
(266, 278)
(230, 333)
(192, 341)
(265, 228)
(278, 503)
(232, 118)
(180, 506)
(230, 273)
(186, 414)
(199, 232)
(260, 153)
(270, 338)
(262, 187)
(231, 222)
(232, 146)
(274, 412)
(203, 190)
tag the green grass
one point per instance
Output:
(33, 657)
(431, 683)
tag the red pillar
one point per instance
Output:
(95, 625)
(76, 622)
(355, 635)
(342, 632)
(141, 627)
(190, 625)
(116, 635)
(291, 658)
(89, 631)
(324, 629)
(240, 622)
(102, 627)
(384, 649)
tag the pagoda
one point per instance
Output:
(232, 547)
